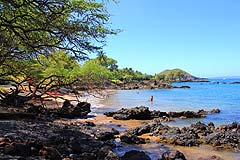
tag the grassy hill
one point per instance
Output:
(176, 75)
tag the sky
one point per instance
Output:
(199, 36)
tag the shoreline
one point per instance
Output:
(191, 153)
(151, 148)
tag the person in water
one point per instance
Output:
(151, 99)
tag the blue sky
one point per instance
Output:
(199, 36)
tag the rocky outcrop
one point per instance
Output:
(227, 136)
(139, 113)
(66, 111)
(106, 135)
(34, 139)
(148, 84)
(185, 114)
(143, 113)
(184, 87)
(234, 83)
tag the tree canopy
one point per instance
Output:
(32, 27)
(40, 41)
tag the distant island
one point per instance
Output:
(178, 75)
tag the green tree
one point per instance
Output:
(94, 75)
(107, 62)
(58, 63)
(29, 28)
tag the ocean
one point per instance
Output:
(201, 95)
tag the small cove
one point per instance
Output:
(207, 95)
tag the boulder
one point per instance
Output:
(50, 153)
(81, 109)
(70, 111)
(135, 155)
(157, 114)
(215, 111)
(131, 139)
(173, 155)
(34, 109)
(111, 156)
(106, 135)
(17, 149)
(67, 104)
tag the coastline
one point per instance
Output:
(191, 153)
(152, 148)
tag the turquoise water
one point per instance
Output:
(202, 95)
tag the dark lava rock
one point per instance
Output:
(226, 136)
(109, 114)
(17, 149)
(111, 156)
(131, 139)
(70, 111)
(121, 116)
(139, 113)
(201, 128)
(150, 127)
(50, 153)
(215, 111)
(38, 139)
(67, 104)
(35, 109)
(179, 137)
(143, 113)
(183, 87)
(187, 114)
(135, 155)
(235, 83)
(106, 135)
(225, 140)
(82, 109)
(173, 155)
(157, 114)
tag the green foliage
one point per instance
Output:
(58, 63)
(29, 28)
(107, 62)
(129, 75)
(93, 73)
(175, 75)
